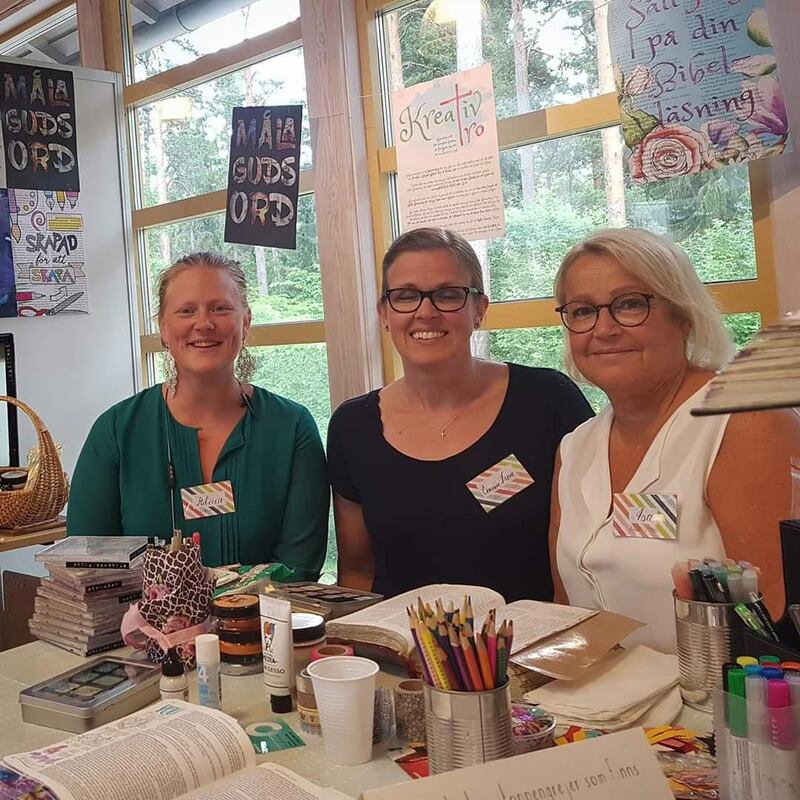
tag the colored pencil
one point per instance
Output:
(472, 663)
(455, 646)
(491, 644)
(502, 660)
(483, 662)
(424, 664)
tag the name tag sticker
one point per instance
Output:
(645, 516)
(499, 483)
(208, 500)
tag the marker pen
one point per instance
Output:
(751, 619)
(785, 764)
(760, 610)
(735, 587)
(767, 661)
(792, 666)
(744, 661)
(713, 589)
(721, 574)
(739, 764)
(722, 732)
(680, 577)
(773, 673)
(753, 669)
(793, 679)
(794, 615)
(758, 736)
(750, 582)
(698, 587)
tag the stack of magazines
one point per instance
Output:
(92, 581)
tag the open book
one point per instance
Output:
(385, 625)
(167, 751)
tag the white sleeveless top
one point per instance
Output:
(632, 576)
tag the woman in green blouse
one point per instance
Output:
(207, 424)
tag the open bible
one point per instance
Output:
(167, 751)
(384, 626)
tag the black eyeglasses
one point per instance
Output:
(445, 298)
(629, 310)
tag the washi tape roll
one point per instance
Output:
(409, 711)
(330, 650)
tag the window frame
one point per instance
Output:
(757, 294)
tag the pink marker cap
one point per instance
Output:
(781, 721)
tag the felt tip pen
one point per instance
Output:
(785, 764)
(739, 754)
(793, 679)
(758, 734)
(760, 610)
(794, 616)
(750, 582)
(773, 673)
(751, 619)
(713, 589)
(768, 660)
(698, 586)
(680, 577)
(735, 587)
(744, 661)
(721, 574)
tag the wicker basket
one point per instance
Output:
(46, 496)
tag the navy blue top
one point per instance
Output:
(425, 525)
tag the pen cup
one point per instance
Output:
(466, 728)
(709, 635)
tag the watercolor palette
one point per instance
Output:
(330, 601)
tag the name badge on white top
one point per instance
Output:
(208, 500)
(645, 516)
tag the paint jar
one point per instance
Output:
(13, 479)
(307, 705)
(237, 623)
(308, 633)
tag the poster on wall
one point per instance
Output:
(47, 246)
(698, 85)
(263, 176)
(38, 128)
(8, 300)
(448, 164)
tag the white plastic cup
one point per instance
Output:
(344, 687)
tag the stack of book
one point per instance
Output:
(765, 374)
(92, 581)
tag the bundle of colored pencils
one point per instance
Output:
(453, 655)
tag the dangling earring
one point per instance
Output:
(170, 370)
(245, 366)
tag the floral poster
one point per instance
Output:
(697, 83)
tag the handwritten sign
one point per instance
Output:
(619, 766)
(38, 128)
(645, 516)
(263, 176)
(697, 83)
(448, 165)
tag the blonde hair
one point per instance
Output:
(665, 269)
(203, 259)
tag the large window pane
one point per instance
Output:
(184, 139)
(178, 33)
(542, 52)
(559, 191)
(283, 285)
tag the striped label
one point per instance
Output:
(499, 483)
(645, 516)
(208, 500)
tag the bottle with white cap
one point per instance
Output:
(209, 678)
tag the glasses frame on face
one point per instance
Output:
(564, 311)
(431, 295)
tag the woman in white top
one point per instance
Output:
(641, 326)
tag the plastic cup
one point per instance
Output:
(344, 687)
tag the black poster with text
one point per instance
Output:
(263, 176)
(38, 124)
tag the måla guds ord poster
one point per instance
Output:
(448, 164)
(698, 85)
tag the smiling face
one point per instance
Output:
(428, 336)
(614, 357)
(203, 321)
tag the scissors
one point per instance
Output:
(30, 311)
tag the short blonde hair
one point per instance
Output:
(665, 269)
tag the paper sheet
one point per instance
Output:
(534, 620)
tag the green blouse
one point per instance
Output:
(273, 458)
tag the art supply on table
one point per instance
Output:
(92, 694)
(95, 552)
(272, 736)
(237, 623)
(409, 711)
(344, 688)
(307, 705)
(330, 650)
(238, 579)
(308, 634)
(531, 728)
(209, 677)
(383, 716)
(319, 598)
(785, 740)
(173, 684)
(276, 641)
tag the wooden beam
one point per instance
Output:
(208, 67)
(90, 33)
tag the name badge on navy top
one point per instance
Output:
(645, 516)
(499, 483)
(208, 500)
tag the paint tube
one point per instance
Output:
(276, 642)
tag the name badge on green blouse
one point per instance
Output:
(645, 516)
(208, 500)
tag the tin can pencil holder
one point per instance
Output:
(466, 728)
(709, 635)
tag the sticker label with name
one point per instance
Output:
(645, 516)
(500, 483)
(208, 500)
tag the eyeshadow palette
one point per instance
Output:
(95, 693)
(330, 601)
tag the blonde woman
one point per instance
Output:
(207, 424)
(641, 326)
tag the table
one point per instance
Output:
(37, 535)
(242, 697)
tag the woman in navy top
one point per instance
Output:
(444, 475)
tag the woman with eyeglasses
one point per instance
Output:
(444, 475)
(645, 484)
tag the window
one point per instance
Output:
(562, 166)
